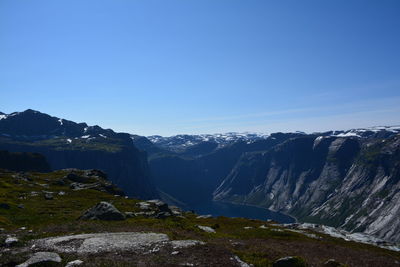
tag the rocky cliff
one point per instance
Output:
(344, 181)
(67, 144)
(23, 161)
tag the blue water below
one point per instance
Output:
(233, 210)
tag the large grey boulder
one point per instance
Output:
(112, 242)
(41, 258)
(11, 241)
(103, 211)
(160, 205)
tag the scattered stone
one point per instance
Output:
(34, 194)
(146, 214)
(185, 243)
(263, 227)
(74, 263)
(176, 211)
(175, 252)
(248, 227)
(204, 216)
(61, 193)
(97, 173)
(11, 241)
(21, 206)
(41, 258)
(289, 262)
(163, 215)
(206, 229)
(22, 228)
(103, 211)
(161, 206)
(129, 214)
(144, 206)
(48, 196)
(333, 263)
(240, 262)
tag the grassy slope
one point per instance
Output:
(257, 246)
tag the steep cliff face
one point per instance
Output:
(67, 144)
(23, 162)
(192, 175)
(339, 181)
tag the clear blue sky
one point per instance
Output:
(203, 66)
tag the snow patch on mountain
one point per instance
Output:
(183, 141)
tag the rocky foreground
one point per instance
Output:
(73, 217)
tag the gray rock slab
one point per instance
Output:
(41, 257)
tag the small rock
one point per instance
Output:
(48, 196)
(263, 227)
(177, 244)
(248, 227)
(61, 193)
(21, 206)
(144, 206)
(129, 214)
(146, 214)
(175, 210)
(163, 215)
(74, 263)
(289, 262)
(162, 206)
(333, 263)
(240, 262)
(97, 173)
(175, 252)
(103, 211)
(10, 241)
(41, 258)
(204, 216)
(206, 229)
(22, 228)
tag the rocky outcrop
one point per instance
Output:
(41, 259)
(112, 242)
(103, 211)
(351, 183)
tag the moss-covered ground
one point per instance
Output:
(22, 204)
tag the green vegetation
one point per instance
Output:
(24, 194)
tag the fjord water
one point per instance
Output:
(216, 208)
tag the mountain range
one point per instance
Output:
(346, 179)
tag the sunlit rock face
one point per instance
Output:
(343, 181)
